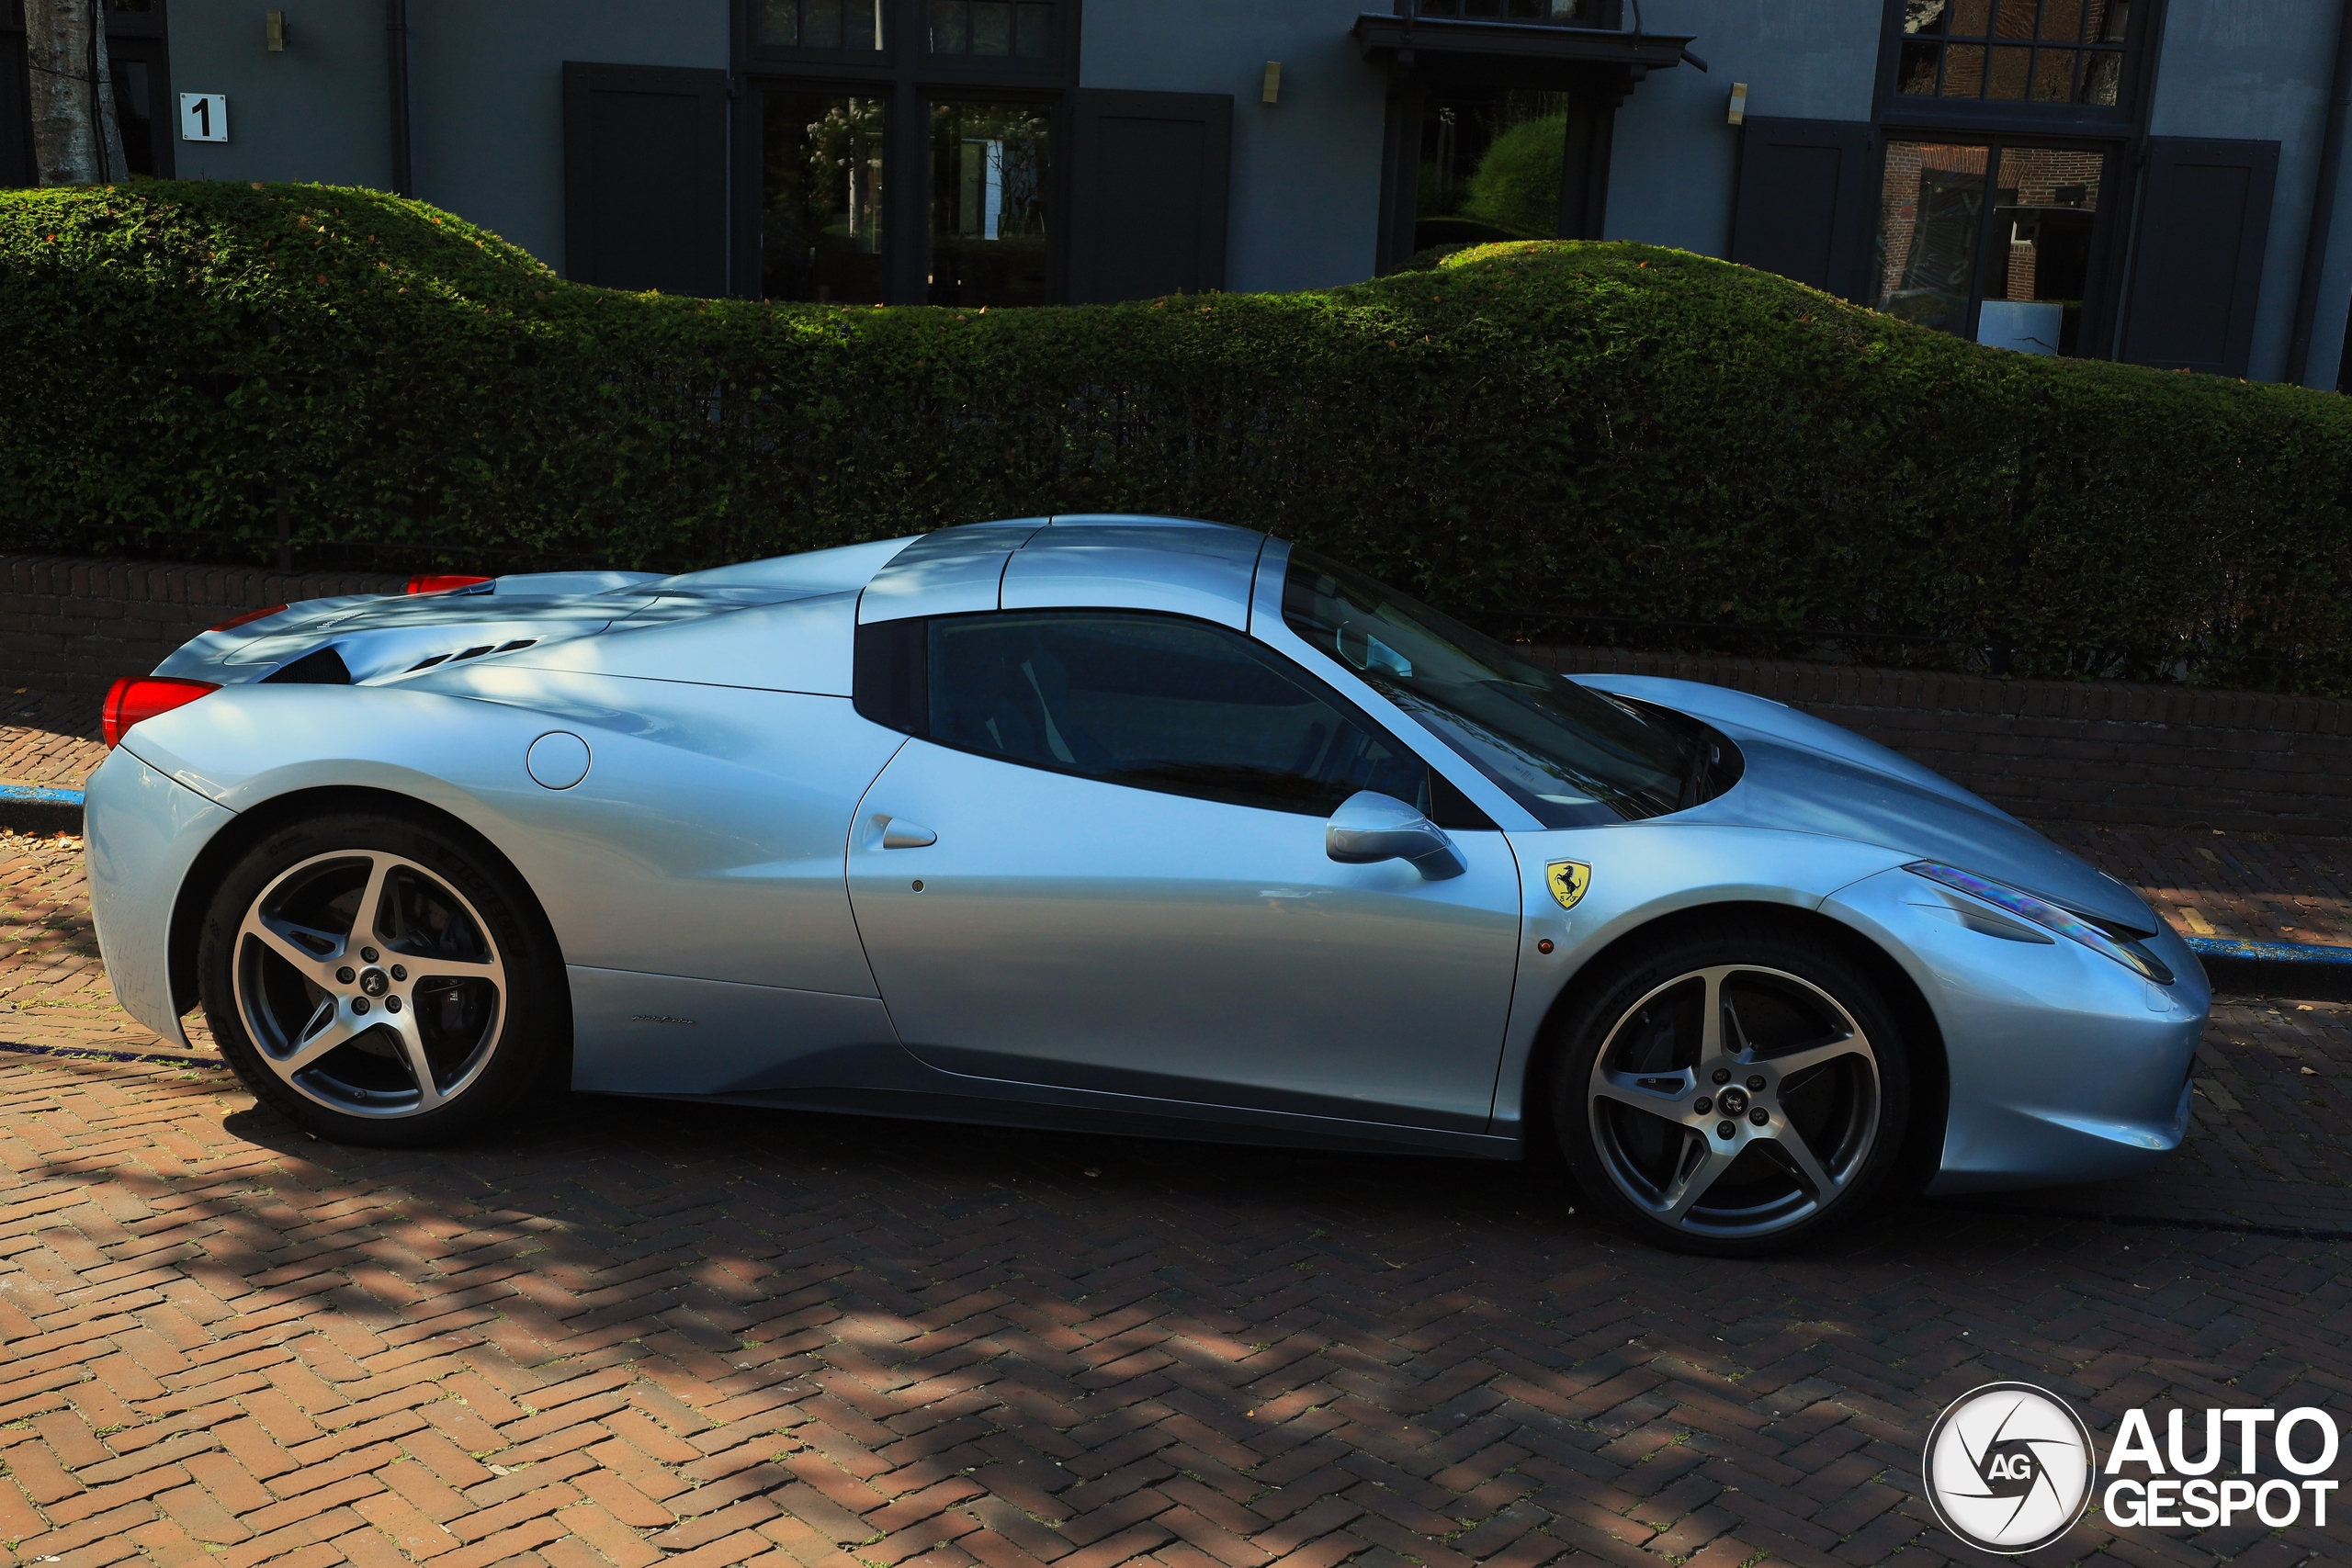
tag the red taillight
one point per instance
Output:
(235, 621)
(428, 583)
(137, 697)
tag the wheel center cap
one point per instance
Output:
(375, 982)
(1734, 1102)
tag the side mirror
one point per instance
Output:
(1370, 826)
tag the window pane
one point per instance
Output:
(2053, 76)
(821, 198)
(2062, 20)
(989, 163)
(951, 27)
(1972, 19)
(2008, 77)
(2109, 27)
(1925, 16)
(1490, 167)
(1930, 203)
(1964, 71)
(991, 27)
(780, 23)
(1917, 74)
(2045, 200)
(2101, 78)
(134, 111)
(1034, 31)
(2015, 18)
(820, 23)
(1156, 703)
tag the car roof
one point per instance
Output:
(1179, 564)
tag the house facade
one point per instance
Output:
(2155, 181)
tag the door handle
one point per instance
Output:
(898, 833)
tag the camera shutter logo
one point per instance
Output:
(2009, 1468)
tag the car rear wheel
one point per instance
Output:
(1732, 1093)
(381, 980)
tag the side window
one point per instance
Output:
(1151, 702)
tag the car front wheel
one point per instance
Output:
(1734, 1093)
(381, 980)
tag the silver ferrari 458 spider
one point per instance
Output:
(1127, 824)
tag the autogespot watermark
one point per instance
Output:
(2010, 1468)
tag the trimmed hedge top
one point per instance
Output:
(1609, 433)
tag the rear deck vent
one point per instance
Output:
(324, 667)
(474, 653)
(518, 642)
(426, 664)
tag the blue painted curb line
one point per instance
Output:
(39, 794)
(2268, 952)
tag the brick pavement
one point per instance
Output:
(48, 738)
(626, 1333)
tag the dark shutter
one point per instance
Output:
(1148, 193)
(645, 177)
(2197, 268)
(1802, 200)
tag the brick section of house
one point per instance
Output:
(2051, 751)
(72, 625)
(2066, 750)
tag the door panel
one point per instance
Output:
(2196, 278)
(645, 177)
(636, 1034)
(1802, 199)
(1151, 171)
(1092, 935)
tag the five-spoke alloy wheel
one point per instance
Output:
(379, 979)
(1730, 1094)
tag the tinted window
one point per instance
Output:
(1162, 703)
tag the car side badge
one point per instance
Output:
(1568, 878)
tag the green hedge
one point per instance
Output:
(1590, 430)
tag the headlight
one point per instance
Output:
(2125, 949)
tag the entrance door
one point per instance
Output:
(1101, 865)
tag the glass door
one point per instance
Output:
(1991, 240)
(989, 167)
(820, 197)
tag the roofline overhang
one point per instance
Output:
(1410, 42)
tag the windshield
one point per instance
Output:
(1571, 756)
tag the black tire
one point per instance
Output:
(458, 971)
(1669, 1111)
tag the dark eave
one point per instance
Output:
(1415, 40)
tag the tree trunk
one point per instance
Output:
(77, 140)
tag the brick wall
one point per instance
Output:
(2083, 752)
(72, 625)
(2066, 750)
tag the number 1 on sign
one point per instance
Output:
(204, 117)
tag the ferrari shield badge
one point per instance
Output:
(1568, 878)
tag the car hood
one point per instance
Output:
(1806, 775)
